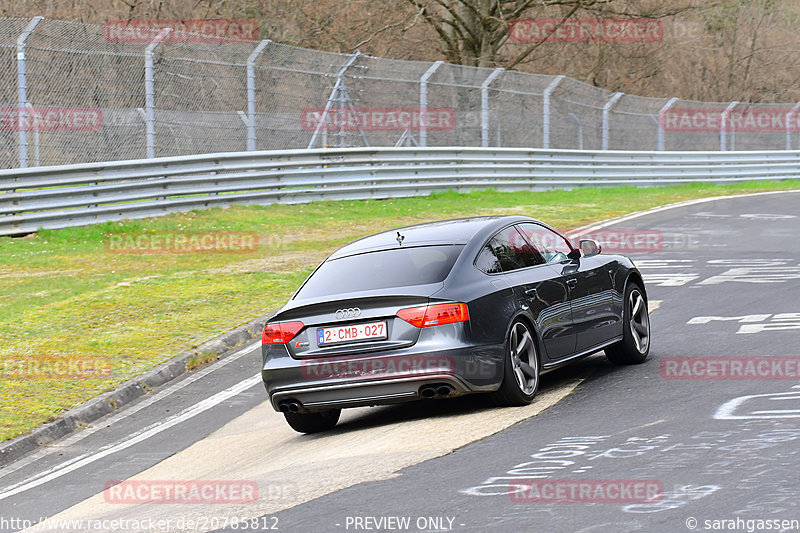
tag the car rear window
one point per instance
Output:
(398, 267)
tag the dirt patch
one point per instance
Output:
(282, 263)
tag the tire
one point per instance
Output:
(635, 344)
(313, 422)
(520, 368)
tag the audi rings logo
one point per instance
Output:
(353, 312)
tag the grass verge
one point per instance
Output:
(69, 297)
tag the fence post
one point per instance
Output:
(723, 119)
(606, 109)
(546, 111)
(335, 94)
(149, 92)
(251, 94)
(661, 115)
(788, 128)
(423, 102)
(485, 105)
(574, 117)
(32, 112)
(22, 91)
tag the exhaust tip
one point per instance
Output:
(294, 407)
(428, 392)
(284, 407)
(444, 390)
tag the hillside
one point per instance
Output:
(718, 51)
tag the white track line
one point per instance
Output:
(131, 440)
(625, 218)
(125, 412)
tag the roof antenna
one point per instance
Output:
(400, 239)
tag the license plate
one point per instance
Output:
(356, 332)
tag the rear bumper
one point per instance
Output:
(378, 378)
(377, 392)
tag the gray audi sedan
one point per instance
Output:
(443, 309)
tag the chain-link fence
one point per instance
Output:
(69, 94)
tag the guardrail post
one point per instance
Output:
(423, 102)
(661, 115)
(485, 105)
(722, 126)
(149, 92)
(546, 111)
(251, 94)
(788, 128)
(22, 91)
(606, 109)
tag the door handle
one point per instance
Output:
(530, 293)
(572, 282)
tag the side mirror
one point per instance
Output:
(589, 247)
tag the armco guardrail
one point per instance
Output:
(74, 195)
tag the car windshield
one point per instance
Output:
(398, 267)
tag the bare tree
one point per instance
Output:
(475, 32)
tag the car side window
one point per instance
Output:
(552, 246)
(487, 261)
(513, 251)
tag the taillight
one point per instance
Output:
(280, 332)
(435, 315)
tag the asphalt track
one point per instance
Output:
(725, 278)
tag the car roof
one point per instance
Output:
(441, 232)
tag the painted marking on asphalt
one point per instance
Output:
(767, 216)
(688, 203)
(127, 411)
(652, 305)
(760, 274)
(755, 323)
(732, 409)
(133, 439)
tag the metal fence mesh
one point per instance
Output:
(85, 97)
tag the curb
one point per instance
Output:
(126, 392)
